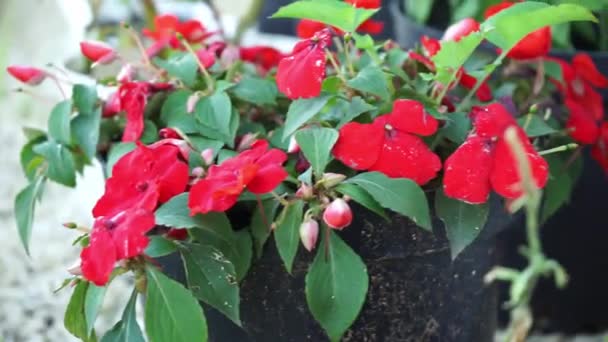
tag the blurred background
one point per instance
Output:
(47, 32)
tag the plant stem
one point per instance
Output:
(209, 80)
(335, 65)
(349, 62)
(561, 148)
(139, 44)
(489, 70)
(248, 20)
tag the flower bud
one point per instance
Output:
(182, 145)
(97, 52)
(229, 55)
(460, 29)
(70, 225)
(191, 102)
(309, 232)
(338, 215)
(293, 145)
(198, 172)
(246, 141)
(305, 191)
(206, 57)
(207, 156)
(28, 75)
(331, 179)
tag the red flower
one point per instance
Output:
(583, 128)
(26, 74)
(111, 106)
(265, 57)
(599, 152)
(257, 169)
(338, 214)
(116, 237)
(142, 178)
(165, 32)
(390, 146)
(485, 160)
(369, 26)
(206, 57)
(300, 75)
(460, 29)
(98, 52)
(534, 45)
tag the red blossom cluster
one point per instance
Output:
(141, 180)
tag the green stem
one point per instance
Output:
(561, 148)
(490, 69)
(209, 80)
(335, 65)
(349, 62)
(445, 88)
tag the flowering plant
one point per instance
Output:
(201, 131)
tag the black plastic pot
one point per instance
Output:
(416, 292)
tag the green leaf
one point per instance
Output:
(419, 10)
(302, 110)
(201, 144)
(316, 144)
(453, 54)
(371, 79)
(174, 113)
(457, 127)
(127, 329)
(159, 246)
(172, 313)
(535, 126)
(181, 65)
(74, 319)
(362, 197)
(256, 90)
(84, 98)
(363, 42)
(287, 232)
(25, 204)
(85, 130)
(61, 168)
(506, 28)
(463, 222)
(175, 213)
(331, 12)
(398, 194)
(336, 286)
(356, 107)
(559, 187)
(92, 304)
(116, 152)
(553, 70)
(212, 278)
(59, 122)
(215, 113)
(262, 218)
(30, 160)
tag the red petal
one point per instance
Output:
(460, 29)
(267, 57)
(193, 31)
(491, 120)
(467, 171)
(371, 26)
(350, 150)
(409, 116)
(267, 179)
(300, 75)
(491, 10)
(133, 98)
(505, 177)
(369, 4)
(581, 125)
(407, 156)
(422, 59)
(534, 45)
(584, 66)
(129, 231)
(599, 152)
(484, 93)
(431, 45)
(217, 194)
(97, 51)
(121, 194)
(307, 28)
(98, 259)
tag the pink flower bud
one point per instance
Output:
(191, 102)
(293, 145)
(184, 148)
(168, 133)
(126, 74)
(229, 55)
(206, 57)
(111, 106)
(460, 29)
(207, 156)
(98, 52)
(198, 172)
(305, 191)
(331, 179)
(28, 75)
(246, 141)
(338, 215)
(309, 232)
